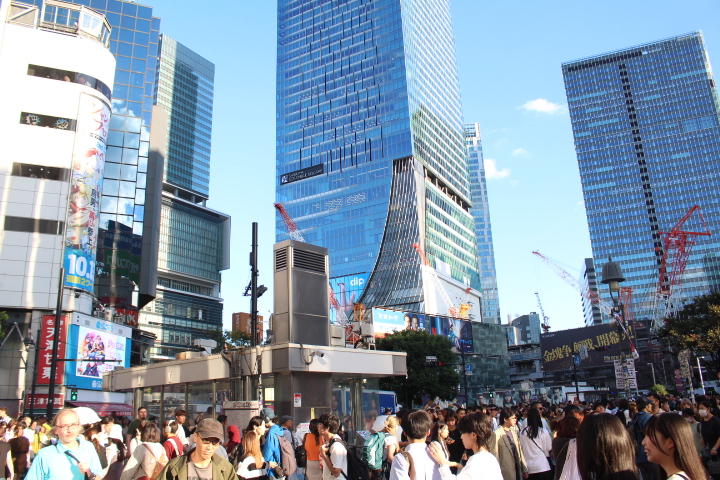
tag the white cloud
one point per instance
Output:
(540, 105)
(519, 151)
(491, 170)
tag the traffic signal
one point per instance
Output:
(491, 394)
(73, 395)
(597, 386)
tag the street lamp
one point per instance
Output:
(612, 276)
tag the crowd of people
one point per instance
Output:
(650, 438)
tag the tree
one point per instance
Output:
(659, 390)
(696, 328)
(229, 339)
(4, 326)
(436, 381)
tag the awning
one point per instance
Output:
(105, 409)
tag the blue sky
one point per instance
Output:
(509, 55)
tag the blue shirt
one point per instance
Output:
(52, 463)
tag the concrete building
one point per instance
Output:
(56, 62)
(483, 230)
(371, 154)
(194, 241)
(589, 282)
(528, 328)
(647, 137)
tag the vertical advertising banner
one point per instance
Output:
(85, 186)
(47, 339)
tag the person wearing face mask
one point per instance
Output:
(710, 432)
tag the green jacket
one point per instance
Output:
(177, 468)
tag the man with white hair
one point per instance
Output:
(72, 458)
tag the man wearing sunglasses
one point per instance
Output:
(72, 458)
(201, 462)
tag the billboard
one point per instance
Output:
(46, 348)
(88, 165)
(604, 344)
(459, 332)
(99, 348)
(347, 290)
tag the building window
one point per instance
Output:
(69, 76)
(38, 120)
(34, 225)
(40, 171)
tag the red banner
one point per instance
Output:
(46, 349)
(41, 400)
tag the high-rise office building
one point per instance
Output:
(589, 282)
(126, 269)
(647, 137)
(370, 147)
(483, 230)
(194, 245)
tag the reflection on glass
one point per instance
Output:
(127, 189)
(130, 156)
(129, 172)
(142, 164)
(138, 228)
(105, 219)
(125, 220)
(144, 148)
(141, 180)
(110, 187)
(140, 197)
(112, 170)
(133, 123)
(151, 401)
(132, 140)
(109, 205)
(200, 400)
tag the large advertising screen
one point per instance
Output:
(97, 351)
(459, 332)
(604, 345)
(347, 290)
(88, 166)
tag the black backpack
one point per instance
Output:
(301, 456)
(356, 469)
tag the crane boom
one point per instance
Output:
(452, 310)
(545, 324)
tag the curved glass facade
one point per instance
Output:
(647, 137)
(362, 86)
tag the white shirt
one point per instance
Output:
(181, 434)
(483, 465)
(425, 467)
(389, 440)
(338, 459)
(536, 455)
(243, 471)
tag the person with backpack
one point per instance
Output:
(380, 448)
(286, 423)
(173, 445)
(271, 449)
(333, 452)
(415, 462)
(649, 470)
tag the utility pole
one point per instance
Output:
(254, 286)
(35, 372)
(56, 346)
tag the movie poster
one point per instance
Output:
(86, 180)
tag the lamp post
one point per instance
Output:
(612, 276)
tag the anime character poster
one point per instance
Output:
(88, 166)
(95, 348)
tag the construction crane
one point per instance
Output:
(595, 299)
(545, 324)
(452, 310)
(295, 234)
(676, 247)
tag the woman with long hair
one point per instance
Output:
(605, 450)
(20, 449)
(312, 448)
(93, 436)
(669, 442)
(476, 429)
(439, 434)
(146, 455)
(391, 446)
(566, 433)
(536, 445)
(623, 412)
(252, 464)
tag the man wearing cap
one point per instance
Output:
(646, 408)
(201, 462)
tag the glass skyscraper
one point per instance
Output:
(194, 239)
(134, 42)
(370, 144)
(647, 137)
(483, 230)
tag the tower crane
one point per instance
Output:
(295, 234)
(676, 247)
(604, 306)
(545, 324)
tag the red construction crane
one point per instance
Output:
(676, 247)
(295, 234)
(546, 320)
